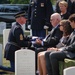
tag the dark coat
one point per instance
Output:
(69, 49)
(16, 41)
(73, 8)
(53, 38)
(65, 16)
(57, 7)
(69, 6)
(39, 13)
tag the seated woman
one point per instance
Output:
(66, 29)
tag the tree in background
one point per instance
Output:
(19, 1)
(14, 1)
(4, 1)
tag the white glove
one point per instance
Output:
(29, 26)
(46, 27)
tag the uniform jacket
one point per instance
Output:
(53, 37)
(39, 14)
(16, 40)
(69, 49)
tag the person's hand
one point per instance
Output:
(52, 49)
(38, 41)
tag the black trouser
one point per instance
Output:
(11, 68)
(52, 61)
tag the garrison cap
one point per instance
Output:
(19, 14)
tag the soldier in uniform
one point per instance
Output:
(16, 41)
(39, 12)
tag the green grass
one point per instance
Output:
(4, 61)
(1, 39)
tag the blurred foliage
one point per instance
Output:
(53, 2)
(1, 39)
(20, 1)
(14, 1)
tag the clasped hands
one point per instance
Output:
(55, 49)
(52, 49)
(38, 41)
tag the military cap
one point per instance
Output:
(19, 14)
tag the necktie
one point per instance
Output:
(49, 35)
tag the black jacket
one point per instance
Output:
(69, 49)
(73, 8)
(53, 38)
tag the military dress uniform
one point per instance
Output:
(16, 41)
(39, 12)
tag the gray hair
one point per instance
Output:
(56, 16)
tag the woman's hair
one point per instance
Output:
(63, 3)
(67, 29)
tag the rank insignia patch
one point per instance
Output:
(21, 37)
